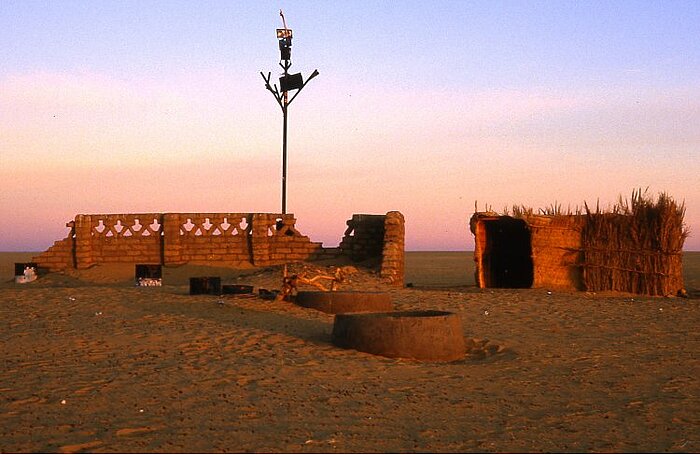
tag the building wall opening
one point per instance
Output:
(507, 259)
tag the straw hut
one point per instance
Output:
(635, 247)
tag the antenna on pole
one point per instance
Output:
(287, 82)
(283, 21)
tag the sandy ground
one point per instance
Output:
(90, 363)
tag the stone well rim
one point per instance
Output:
(410, 314)
(340, 292)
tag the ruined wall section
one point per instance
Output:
(260, 239)
(60, 255)
(393, 257)
(380, 238)
(277, 241)
(364, 237)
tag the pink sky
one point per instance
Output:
(131, 107)
(90, 143)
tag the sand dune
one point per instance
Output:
(90, 363)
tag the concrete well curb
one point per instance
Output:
(422, 335)
(336, 302)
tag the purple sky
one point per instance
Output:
(425, 108)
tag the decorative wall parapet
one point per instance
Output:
(260, 239)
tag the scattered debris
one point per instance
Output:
(311, 276)
(268, 295)
(477, 349)
(28, 276)
(149, 282)
(237, 289)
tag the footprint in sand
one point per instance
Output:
(73, 448)
(135, 431)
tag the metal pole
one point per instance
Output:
(284, 156)
(282, 98)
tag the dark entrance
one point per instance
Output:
(507, 259)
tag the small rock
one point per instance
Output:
(492, 349)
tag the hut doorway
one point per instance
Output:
(507, 258)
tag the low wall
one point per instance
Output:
(260, 239)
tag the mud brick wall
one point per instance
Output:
(379, 237)
(206, 237)
(61, 254)
(117, 238)
(261, 239)
(393, 258)
(364, 237)
(277, 241)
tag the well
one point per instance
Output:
(434, 336)
(345, 301)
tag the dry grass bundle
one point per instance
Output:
(635, 247)
(525, 212)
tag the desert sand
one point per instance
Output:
(91, 363)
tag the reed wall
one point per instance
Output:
(638, 247)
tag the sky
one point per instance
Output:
(428, 108)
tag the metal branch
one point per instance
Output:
(313, 75)
(274, 92)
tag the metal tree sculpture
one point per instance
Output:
(288, 82)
